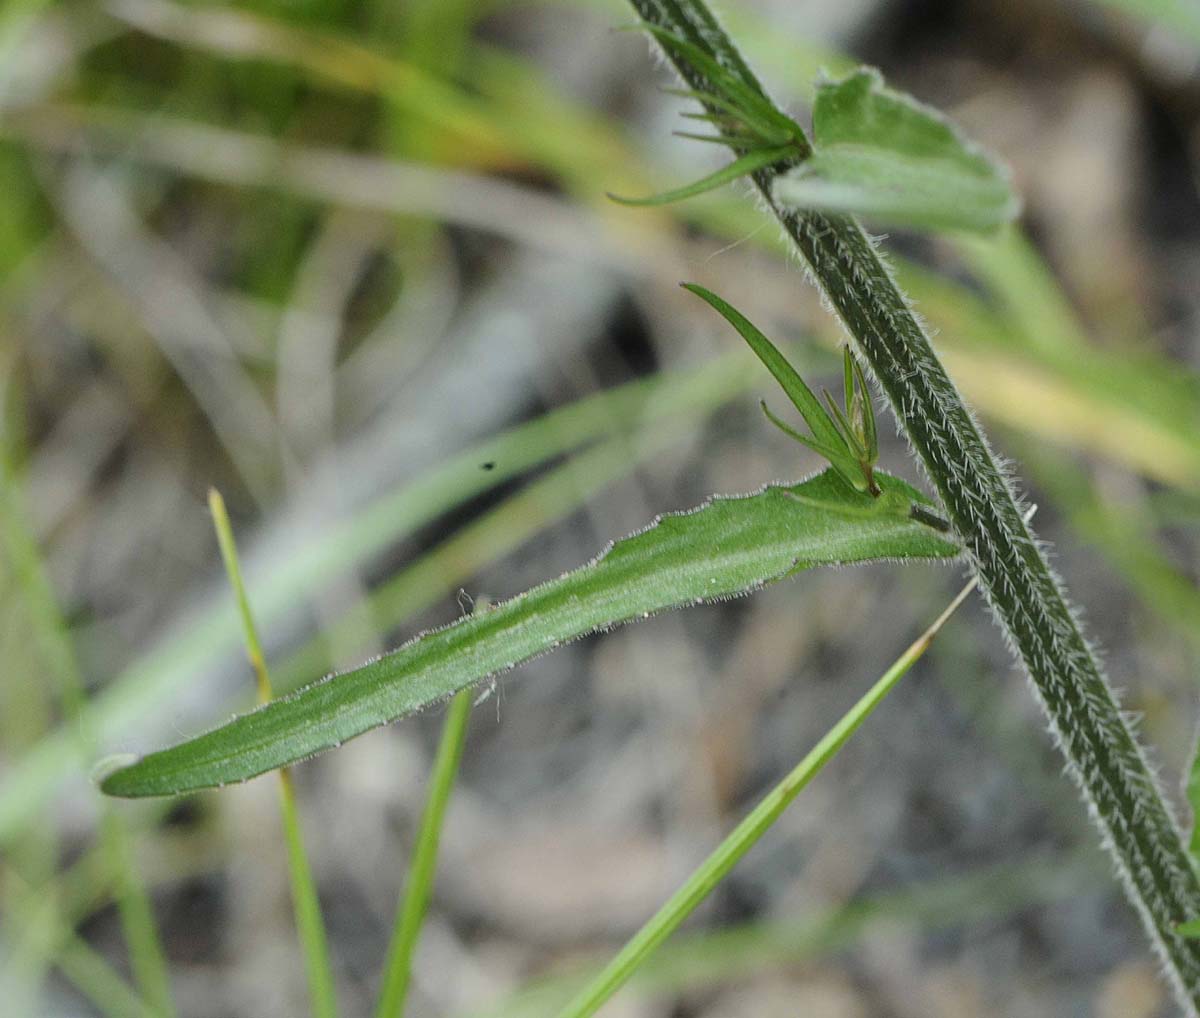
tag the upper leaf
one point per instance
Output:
(881, 153)
(726, 547)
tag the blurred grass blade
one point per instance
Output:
(743, 837)
(726, 547)
(39, 914)
(147, 954)
(310, 925)
(233, 570)
(47, 630)
(398, 969)
(751, 162)
(241, 34)
(880, 153)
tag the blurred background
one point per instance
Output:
(353, 264)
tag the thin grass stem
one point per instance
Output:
(716, 867)
(306, 905)
(397, 971)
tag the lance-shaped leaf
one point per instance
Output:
(726, 547)
(850, 453)
(880, 153)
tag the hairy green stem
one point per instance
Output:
(1028, 600)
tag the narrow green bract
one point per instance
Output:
(726, 547)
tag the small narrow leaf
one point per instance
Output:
(847, 378)
(792, 433)
(829, 440)
(867, 411)
(751, 162)
(843, 425)
(733, 141)
(753, 107)
(410, 916)
(728, 109)
(728, 546)
(881, 153)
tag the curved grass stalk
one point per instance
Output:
(746, 835)
(310, 924)
(1028, 600)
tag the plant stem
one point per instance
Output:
(306, 905)
(1029, 602)
(743, 837)
(411, 914)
